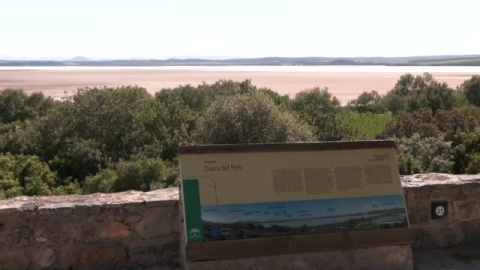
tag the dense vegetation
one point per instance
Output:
(116, 139)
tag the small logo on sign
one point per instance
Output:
(215, 233)
(194, 232)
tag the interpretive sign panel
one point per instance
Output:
(233, 192)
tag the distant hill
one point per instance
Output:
(78, 59)
(441, 60)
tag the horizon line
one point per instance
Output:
(205, 58)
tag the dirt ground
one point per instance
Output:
(344, 85)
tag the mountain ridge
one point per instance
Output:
(449, 60)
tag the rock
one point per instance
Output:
(54, 228)
(115, 230)
(93, 256)
(143, 255)
(66, 204)
(13, 260)
(129, 216)
(19, 237)
(157, 223)
(41, 235)
(466, 210)
(44, 258)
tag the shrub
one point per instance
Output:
(251, 118)
(79, 158)
(102, 182)
(368, 125)
(313, 101)
(330, 127)
(471, 89)
(412, 93)
(199, 98)
(367, 102)
(139, 173)
(24, 175)
(426, 124)
(16, 105)
(422, 155)
(473, 166)
(407, 124)
(318, 108)
(394, 103)
(467, 145)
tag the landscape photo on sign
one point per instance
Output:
(230, 222)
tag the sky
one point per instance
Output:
(161, 29)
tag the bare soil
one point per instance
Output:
(344, 85)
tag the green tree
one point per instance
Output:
(202, 96)
(78, 158)
(423, 155)
(473, 164)
(471, 89)
(180, 122)
(394, 103)
(467, 147)
(331, 127)
(316, 100)
(409, 84)
(101, 182)
(426, 124)
(411, 93)
(367, 102)
(24, 175)
(319, 108)
(100, 126)
(16, 105)
(251, 118)
(139, 173)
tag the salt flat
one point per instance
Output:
(345, 82)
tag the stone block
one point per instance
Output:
(450, 192)
(44, 258)
(158, 222)
(419, 212)
(471, 230)
(422, 193)
(19, 237)
(55, 230)
(438, 234)
(465, 210)
(143, 255)
(423, 237)
(14, 260)
(453, 236)
(129, 215)
(471, 189)
(115, 230)
(98, 255)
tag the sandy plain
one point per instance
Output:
(345, 84)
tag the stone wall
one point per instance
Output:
(126, 230)
(462, 195)
(132, 230)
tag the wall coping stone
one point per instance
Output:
(160, 197)
(435, 179)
